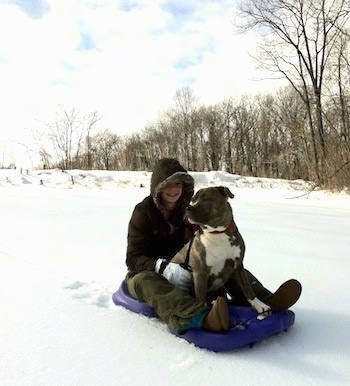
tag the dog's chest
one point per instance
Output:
(219, 248)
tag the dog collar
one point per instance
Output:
(229, 227)
(196, 228)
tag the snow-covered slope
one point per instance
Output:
(62, 254)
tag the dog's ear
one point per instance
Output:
(225, 191)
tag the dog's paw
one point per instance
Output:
(262, 308)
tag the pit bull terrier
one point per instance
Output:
(216, 251)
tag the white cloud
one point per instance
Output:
(124, 60)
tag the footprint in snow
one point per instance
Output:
(102, 300)
(92, 293)
(75, 285)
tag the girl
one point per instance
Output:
(157, 231)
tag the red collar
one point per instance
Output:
(229, 227)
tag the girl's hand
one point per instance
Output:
(175, 274)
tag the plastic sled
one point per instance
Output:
(246, 328)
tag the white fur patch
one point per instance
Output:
(219, 249)
(259, 306)
(207, 228)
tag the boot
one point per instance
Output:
(286, 295)
(217, 319)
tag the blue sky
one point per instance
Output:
(33, 8)
(123, 59)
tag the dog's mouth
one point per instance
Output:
(196, 216)
(205, 226)
(191, 221)
(199, 215)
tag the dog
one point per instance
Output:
(217, 249)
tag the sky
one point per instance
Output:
(62, 255)
(123, 59)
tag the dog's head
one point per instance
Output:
(210, 208)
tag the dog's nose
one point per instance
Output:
(189, 208)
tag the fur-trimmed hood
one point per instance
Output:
(167, 170)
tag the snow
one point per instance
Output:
(62, 255)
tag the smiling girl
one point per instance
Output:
(157, 231)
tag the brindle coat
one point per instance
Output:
(217, 250)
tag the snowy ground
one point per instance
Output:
(62, 254)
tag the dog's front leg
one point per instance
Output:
(200, 282)
(248, 292)
(262, 308)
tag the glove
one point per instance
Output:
(175, 274)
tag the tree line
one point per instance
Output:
(301, 131)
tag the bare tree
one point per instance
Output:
(227, 110)
(213, 132)
(88, 123)
(104, 149)
(186, 117)
(299, 37)
(338, 114)
(295, 153)
(66, 135)
(243, 136)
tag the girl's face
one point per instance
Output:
(171, 193)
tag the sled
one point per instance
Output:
(246, 329)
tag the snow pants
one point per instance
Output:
(173, 305)
(177, 307)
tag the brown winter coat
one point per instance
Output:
(149, 235)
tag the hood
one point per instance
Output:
(166, 170)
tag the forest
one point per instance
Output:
(301, 131)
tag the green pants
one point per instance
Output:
(177, 307)
(173, 305)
